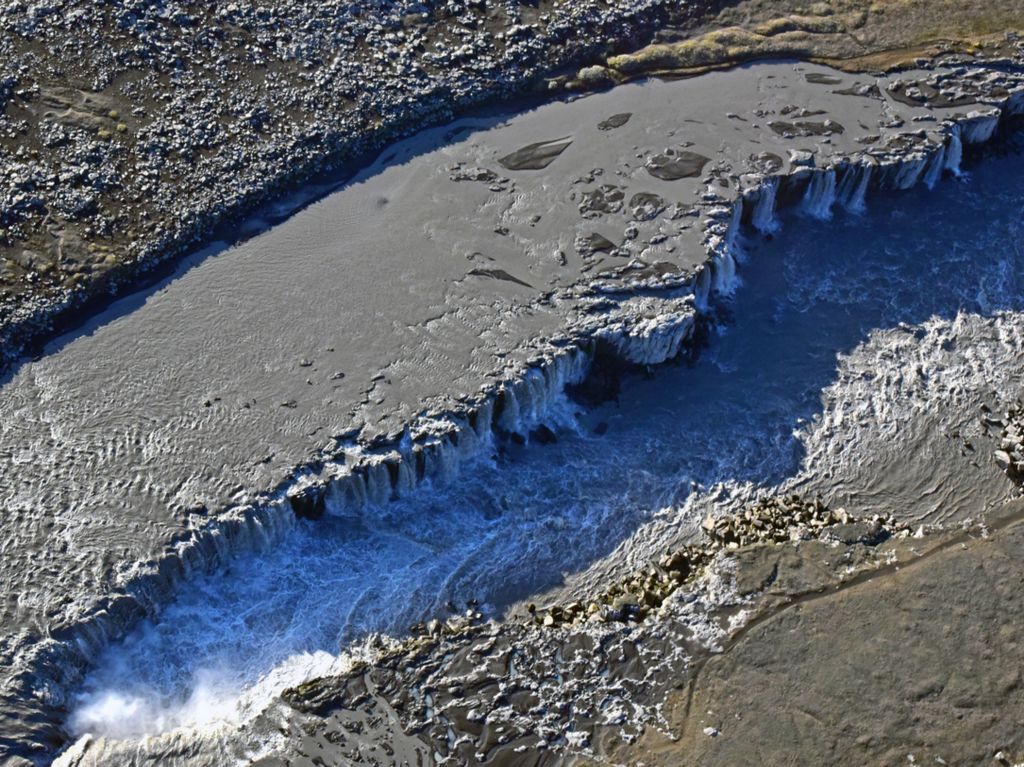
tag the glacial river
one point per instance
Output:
(849, 363)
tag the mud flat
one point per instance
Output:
(445, 297)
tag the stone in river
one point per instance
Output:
(615, 121)
(819, 78)
(644, 206)
(677, 165)
(535, 156)
(498, 274)
(594, 243)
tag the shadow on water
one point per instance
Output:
(524, 519)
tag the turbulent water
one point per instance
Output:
(850, 362)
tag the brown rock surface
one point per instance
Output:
(919, 662)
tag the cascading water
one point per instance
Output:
(908, 172)
(955, 151)
(821, 194)
(979, 127)
(839, 359)
(763, 217)
(936, 165)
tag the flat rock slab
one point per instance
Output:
(535, 156)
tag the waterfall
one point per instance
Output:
(820, 195)
(955, 151)
(763, 216)
(702, 288)
(538, 395)
(854, 186)
(979, 127)
(724, 272)
(378, 483)
(724, 259)
(652, 341)
(483, 423)
(935, 167)
(908, 172)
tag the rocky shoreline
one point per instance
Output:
(551, 688)
(636, 674)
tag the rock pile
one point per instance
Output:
(1010, 454)
(773, 519)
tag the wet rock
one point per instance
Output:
(607, 198)
(767, 162)
(615, 121)
(309, 503)
(535, 156)
(673, 165)
(866, 90)
(1010, 454)
(806, 128)
(801, 158)
(644, 206)
(542, 435)
(594, 243)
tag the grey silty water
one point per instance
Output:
(849, 363)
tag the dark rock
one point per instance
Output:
(309, 503)
(535, 156)
(596, 243)
(498, 274)
(543, 435)
(819, 78)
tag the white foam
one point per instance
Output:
(820, 195)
